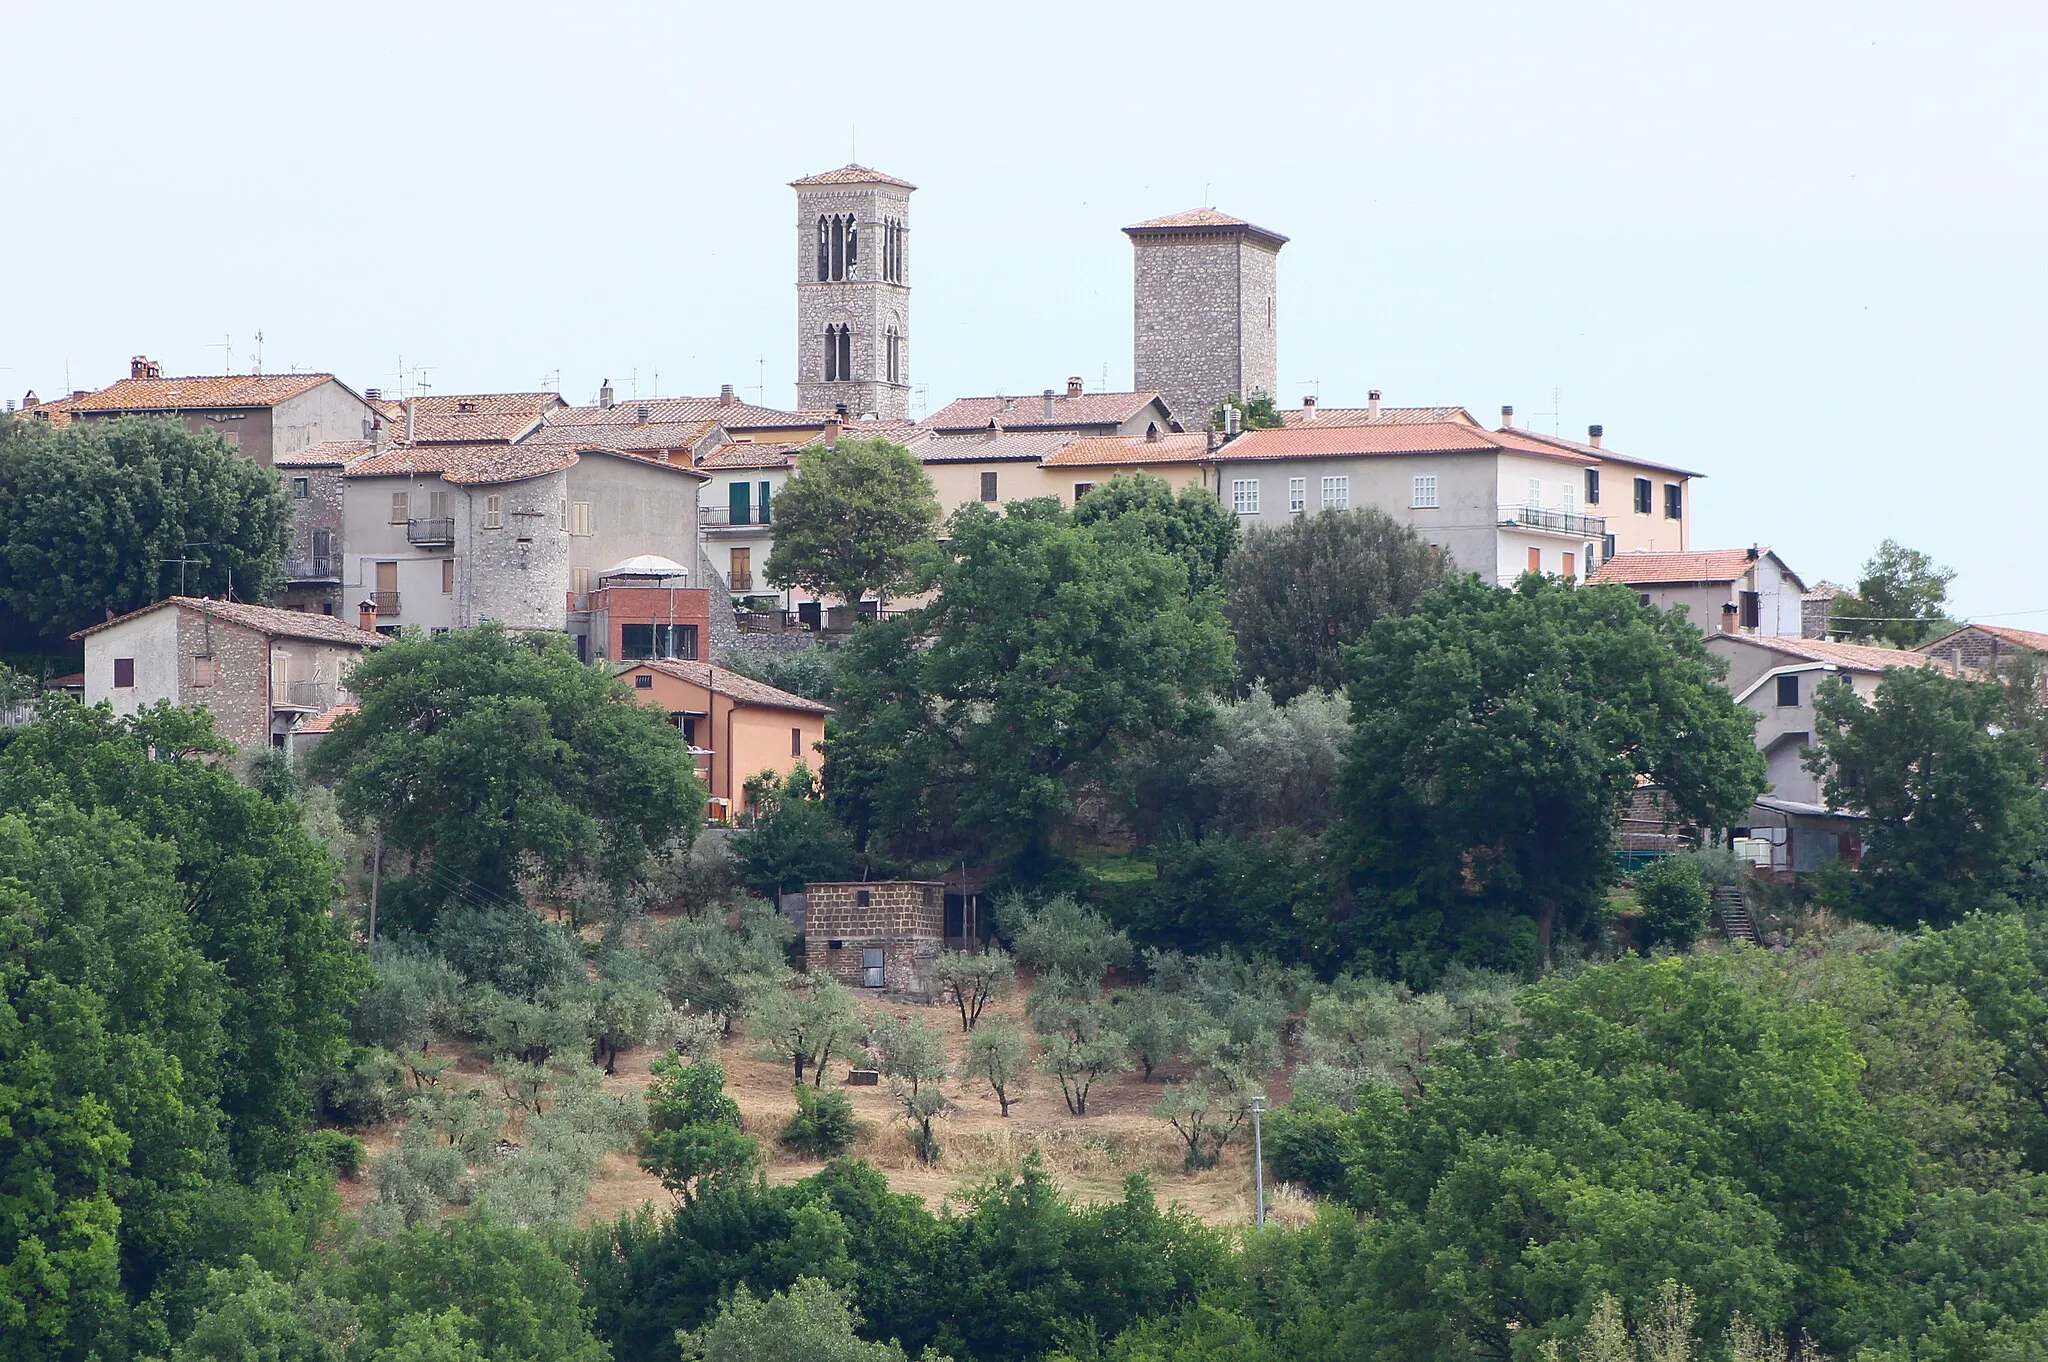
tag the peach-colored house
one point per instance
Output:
(736, 727)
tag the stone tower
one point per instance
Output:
(853, 292)
(1204, 290)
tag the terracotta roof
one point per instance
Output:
(851, 174)
(750, 454)
(744, 689)
(325, 454)
(2019, 638)
(985, 446)
(464, 464)
(457, 418)
(1447, 437)
(1028, 413)
(1641, 567)
(263, 619)
(1366, 416)
(736, 415)
(199, 391)
(1201, 220)
(1824, 591)
(1858, 656)
(325, 721)
(57, 412)
(652, 437)
(1112, 450)
(1602, 452)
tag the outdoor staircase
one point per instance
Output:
(1733, 911)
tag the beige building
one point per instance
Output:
(1730, 591)
(262, 415)
(260, 671)
(1647, 505)
(993, 466)
(736, 727)
(1181, 460)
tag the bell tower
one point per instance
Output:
(853, 292)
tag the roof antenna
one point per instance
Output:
(257, 366)
(856, 144)
(1205, 195)
(227, 353)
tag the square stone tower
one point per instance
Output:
(853, 292)
(1205, 297)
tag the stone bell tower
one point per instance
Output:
(853, 292)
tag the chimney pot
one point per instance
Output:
(408, 420)
(1593, 434)
(366, 616)
(642, 412)
(1232, 422)
(1728, 625)
(604, 394)
(1507, 416)
(372, 394)
(1308, 401)
(140, 367)
(725, 394)
(832, 429)
(1048, 404)
(77, 393)
(28, 399)
(1074, 386)
(1372, 405)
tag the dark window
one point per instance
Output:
(1643, 496)
(860, 898)
(124, 672)
(1643, 597)
(688, 723)
(838, 247)
(824, 250)
(640, 642)
(796, 742)
(1788, 690)
(1606, 547)
(643, 682)
(1592, 487)
(1082, 489)
(852, 247)
(846, 352)
(1751, 615)
(895, 356)
(302, 488)
(1674, 501)
(766, 488)
(831, 354)
(327, 607)
(988, 486)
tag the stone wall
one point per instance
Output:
(867, 305)
(1204, 320)
(517, 574)
(239, 692)
(318, 589)
(905, 919)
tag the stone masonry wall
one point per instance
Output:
(319, 510)
(868, 305)
(906, 919)
(239, 696)
(1204, 320)
(518, 574)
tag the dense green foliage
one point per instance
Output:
(1192, 526)
(1672, 903)
(848, 518)
(791, 838)
(94, 518)
(489, 757)
(1900, 599)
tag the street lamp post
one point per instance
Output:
(1259, 1157)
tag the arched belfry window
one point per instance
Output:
(895, 356)
(838, 353)
(838, 246)
(824, 249)
(852, 247)
(892, 250)
(845, 351)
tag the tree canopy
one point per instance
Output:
(1901, 599)
(1498, 732)
(94, 518)
(488, 756)
(1192, 526)
(848, 518)
(1297, 596)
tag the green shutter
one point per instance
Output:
(738, 504)
(766, 488)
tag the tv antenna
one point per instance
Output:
(760, 380)
(256, 366)
(182, 561)
(1556, 409)
(226, 346)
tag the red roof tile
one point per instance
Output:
(1641, 567)
(325, 721)
(465, 464)
(745, 689)
(1366, 416)
(735, 415)
(1310, 442)
(1202, 220)
(325, 454)
(1028, 413)
(2019, 638)
(989, 446)
(851, 174)
(1603, 452)
(57, 412)
(1860, 656)
(204, 391)
(263, 619)
(1114, 450)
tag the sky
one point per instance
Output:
(1795, 246)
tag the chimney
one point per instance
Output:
(1233, 422)
(366, 616)
(372, 394)
(1507, 418)
(408, 420)
(1593, 434)
(10, 406)
(604, 394)
(1728, 617)
(1372, 405)
(142, 366)
(77, 393)
(1074, 386)
(28, 399)
(725, 394)
(832, 429)
(642, 412)
(1755, 553)
(1048, 404)
(995, 428)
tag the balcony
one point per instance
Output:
(734, 518)
(435, 530)
(387, 604)
(1556, 522)
(312, 569)
(742, 581)
(314, 697)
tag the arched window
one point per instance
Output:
(831, 354)
(895, 364)
(838, 246)
(852, 247)
(845, 352)
(824, 249)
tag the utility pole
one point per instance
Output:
(1259, 1157)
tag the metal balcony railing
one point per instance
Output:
(314, 695)
(729, 517)
(1562, 522)
(433, 530)
(315, 569)
(742, 582)
(387, 604)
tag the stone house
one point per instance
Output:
(312, 479)
(262, 415)
(735, 726)
(1730, 591)
(1985, 648)
(884, 935)
(260, 671)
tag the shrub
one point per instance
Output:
(1673, 903)
(338, 1150)
(365, 1090)
(824, 1126)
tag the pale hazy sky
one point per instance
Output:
(1797, 246)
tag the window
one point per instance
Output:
(1535, 501)
(1592, 487)
(1297, 494)
(1244, 496)
(640, 642)
(688, 723)
(1424, 495)
(1570, 499)
(860, 898)
(1606, 547)
(494, 512)
(1082, 489)
(1788, 691)
(579, 517)
(871, 975)
(1336, 493)
(838, 353)
(1674, 501)
(1749, 614)
(643, 682)
(302, 489)
(447, 576)
(124, 673)
(838, 247)
(766, 488)
(1642, 598)
(1642, 496)
(739, 507)
(1571, 567)
(1535, 560)
(323, 548)
(796, 742)
(894, 350)
(892, 250)
(579, 580)
(398, 505)
(202, 670)
(988, 485)
(1590, 560)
